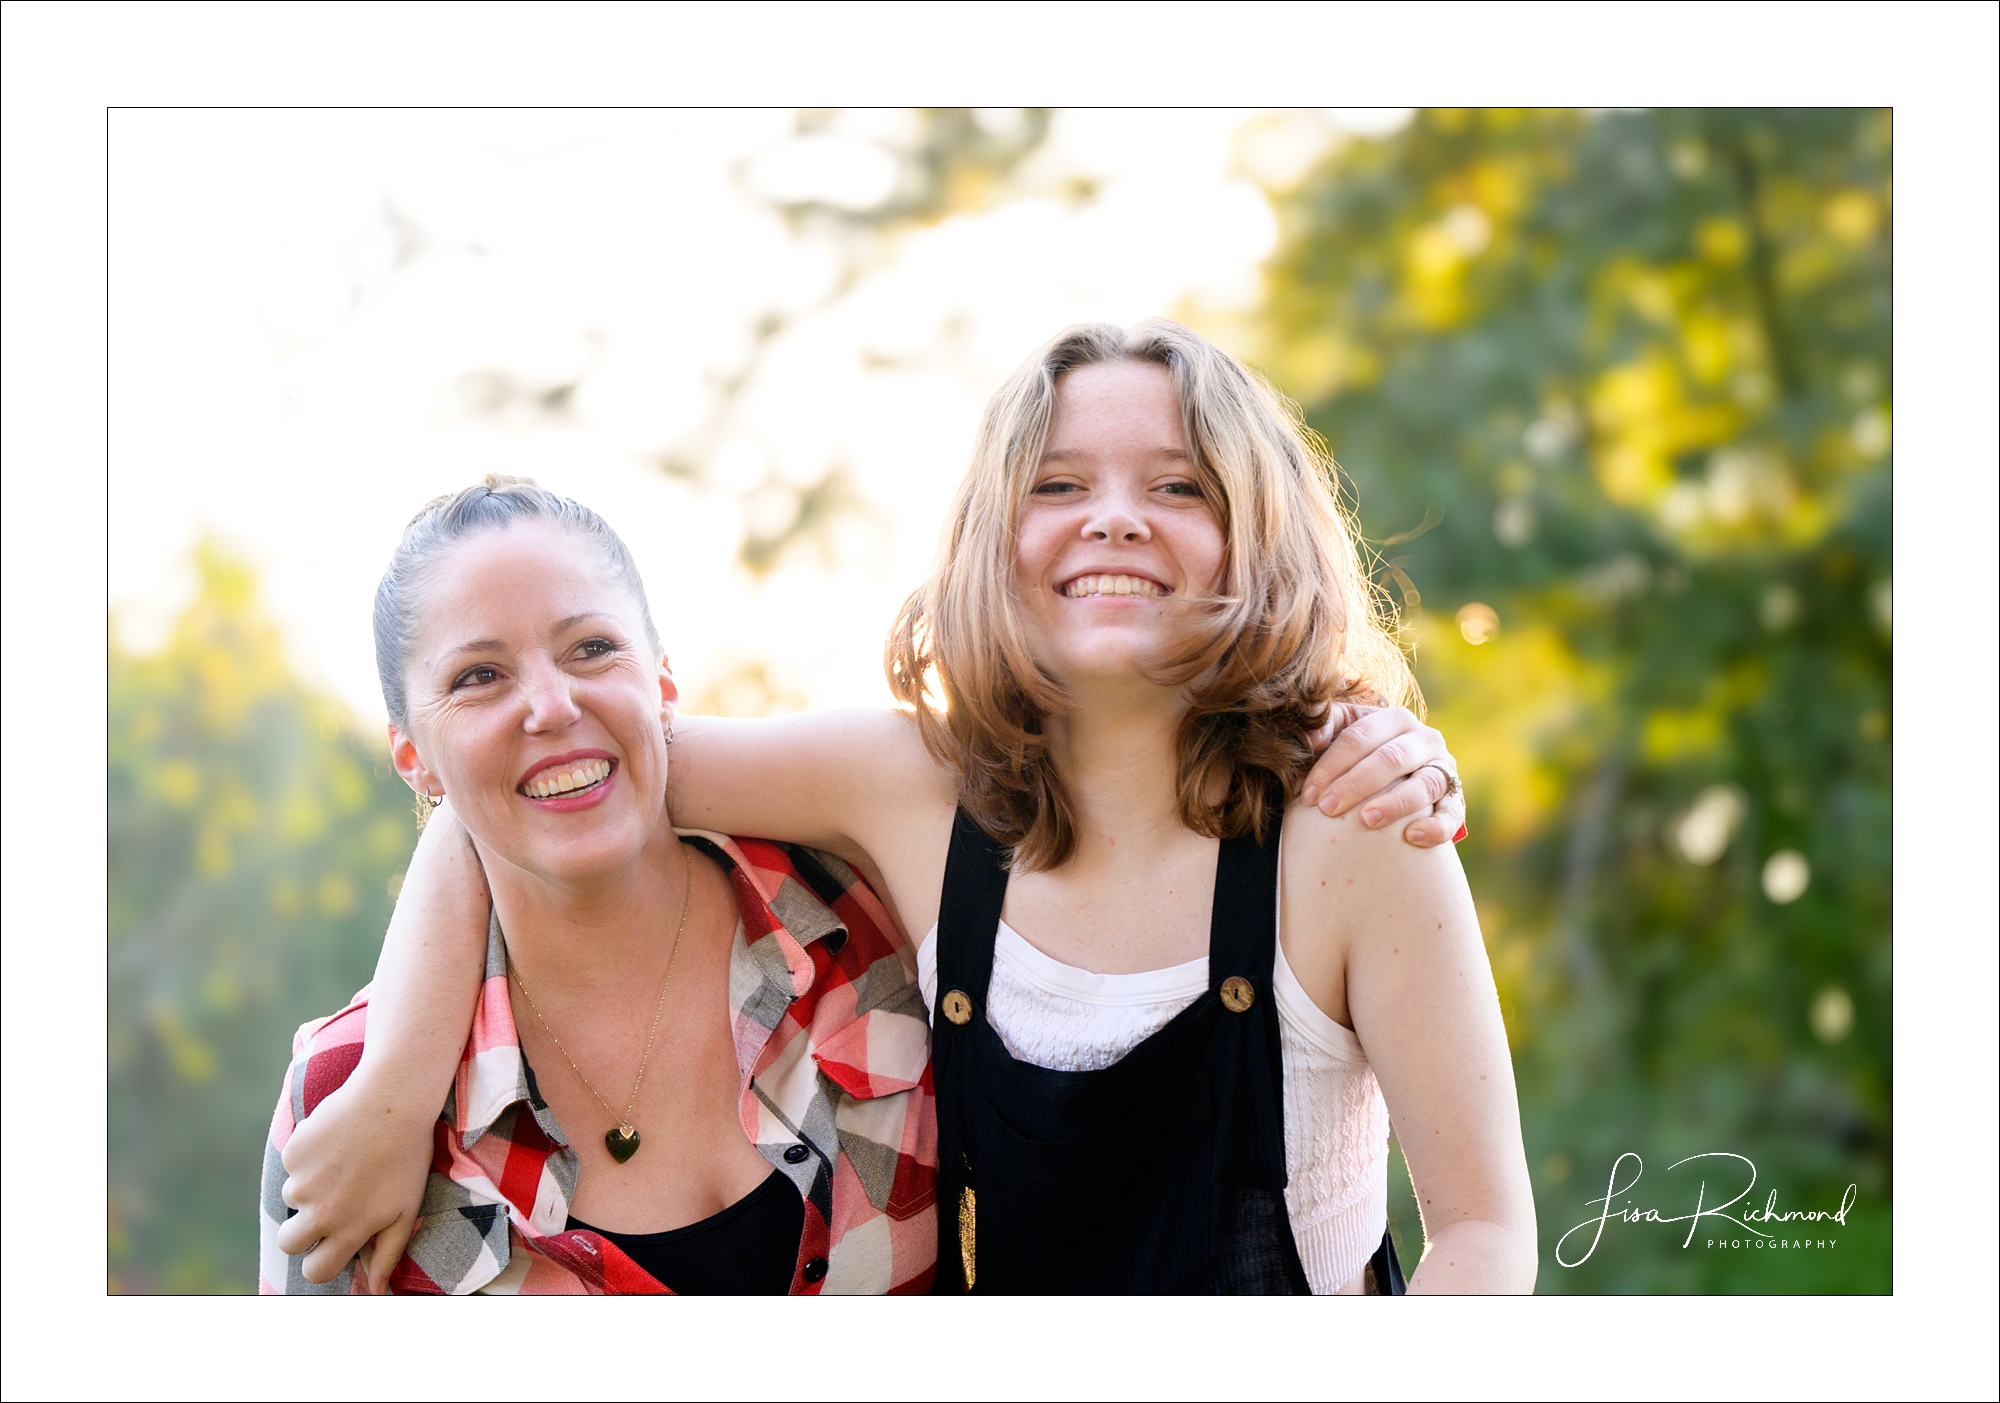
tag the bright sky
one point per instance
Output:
(308, 306)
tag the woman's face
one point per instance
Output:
(1116, 529)
(536, 703)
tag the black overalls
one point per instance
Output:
(1163, 1173)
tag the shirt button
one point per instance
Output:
(796, 1154)
(815, 1271)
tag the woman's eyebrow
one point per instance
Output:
(564, 625)
(494, 645)
(477, 645)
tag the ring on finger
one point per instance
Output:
(1451, 784)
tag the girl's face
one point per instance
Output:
(536, 704)
(1116, 529)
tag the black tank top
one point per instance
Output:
(750, 1248)
(1163, 1173)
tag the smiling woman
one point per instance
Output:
(524, 678)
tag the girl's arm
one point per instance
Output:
(1415, 985)
(860, 784)
(359, 1162)
(855, 783)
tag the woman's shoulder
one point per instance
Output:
(816, 895)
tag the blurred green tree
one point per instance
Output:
(1613, 389)
(256, 843)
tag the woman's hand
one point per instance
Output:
(356, 1171)
(1387, 757)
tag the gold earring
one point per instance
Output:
(426, 806)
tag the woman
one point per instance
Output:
(761, 993)
(1136, 625)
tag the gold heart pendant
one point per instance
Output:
(623, 1143)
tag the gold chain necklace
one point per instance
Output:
(622, 1140)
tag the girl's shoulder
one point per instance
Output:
(1338, 872)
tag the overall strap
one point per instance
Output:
(1243, 927)
(1242, 969)
(975, 888)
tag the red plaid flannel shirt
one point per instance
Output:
(834, 1046)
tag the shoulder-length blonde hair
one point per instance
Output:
(1293, 626)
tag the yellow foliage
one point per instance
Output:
(349, 786)
(1705, 341)
(191, 1058)
(1434, 278)
(388, 837)
(300, 819)
(1503, 703)
(1501, 187)
(1645, 421)
(1653, 297)
(1322, 364)
(1679, 735)
(336, 894)
(1722, 241)
(178, 782)
(1851, 216)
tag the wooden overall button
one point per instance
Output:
(1237, 994)
(958, 1007)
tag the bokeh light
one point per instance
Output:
(1832, 1014)
(1787, 874)
(1478, 623)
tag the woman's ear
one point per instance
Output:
(410, 765)
(670, 696)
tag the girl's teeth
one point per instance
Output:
(1115, 585)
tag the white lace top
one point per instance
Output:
(1336, 1125)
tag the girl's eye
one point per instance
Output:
(1055, 489)
(1181, 489)
(476, 676)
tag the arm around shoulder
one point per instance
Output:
(836, 780)
(357, 1160)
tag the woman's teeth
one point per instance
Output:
(1091, 585)
(566, 779)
